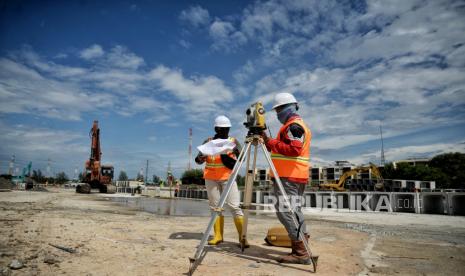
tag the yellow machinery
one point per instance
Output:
(339, 186)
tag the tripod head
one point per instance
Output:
(255, 121)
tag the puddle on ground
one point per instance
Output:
(167, 207)
(170, 207)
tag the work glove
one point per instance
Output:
(200, 159)
(265, 137)
(228, 162)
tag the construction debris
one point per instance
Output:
(67, 249)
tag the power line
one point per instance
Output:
(190, 149)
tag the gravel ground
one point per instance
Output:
(113, 239)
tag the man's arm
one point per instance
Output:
(228, 161)
(200, 158)
(237, 150)
(295, 135)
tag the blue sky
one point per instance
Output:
(150, 70)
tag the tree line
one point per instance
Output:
(59, 178)
(448, 170)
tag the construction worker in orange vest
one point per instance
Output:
(217, 170)
(290, 153)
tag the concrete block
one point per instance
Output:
(405, 202)
(456, 202)
(342, 200)
(433, 203)
(360, 201)
(310, 199)
(381, 201)
(325, 200)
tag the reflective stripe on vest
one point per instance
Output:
(214, 168)
(294, 166)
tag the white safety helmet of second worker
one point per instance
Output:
(222, 121)
(283, 99)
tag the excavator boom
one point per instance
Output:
(339, 186)
(97, 175)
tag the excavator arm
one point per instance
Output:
(339, 186)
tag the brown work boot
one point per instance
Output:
(299, 257)
(307, 237)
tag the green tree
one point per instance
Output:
(81, 177)
(61, 178)
(139, 177)
(447, 170)
(452, 165)
(37, 176)
(122, 176)
(194, 176)
(156, 179)
(240, 180)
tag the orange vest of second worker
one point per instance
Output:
(214, 168)
(293, 166)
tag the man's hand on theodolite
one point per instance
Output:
(264, 137)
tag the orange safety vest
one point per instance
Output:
(294, 166)
(214, 167)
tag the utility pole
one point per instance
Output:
(169, 177)
(48, 168)
(146, 171)
(383, 161)
(190, 150)
(12, 165)
(75, 173)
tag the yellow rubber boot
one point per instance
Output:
(239, 222)
(218, 229)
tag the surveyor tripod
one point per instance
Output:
(255, 140)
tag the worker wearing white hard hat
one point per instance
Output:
(290, 153)
(222, 121)
(217, 170)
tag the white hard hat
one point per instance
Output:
(222, 121)
(283, 98)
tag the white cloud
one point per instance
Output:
(197, 94)
(220, 29)
(184, 44)
(38, 144)
(24, 90)
(30, 84)
(94, 51)
(119, 56)
(225, 36)
(338, 142)
(400, 153)
(196, 16)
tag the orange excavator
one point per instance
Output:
(97, 176)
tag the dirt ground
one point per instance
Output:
(111, 239)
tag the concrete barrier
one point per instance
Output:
(310, 199)
(456, 203)
(360, 201)
(405, 202)
(433, 203)
(258, 197)
(381, 201)
(342, 200)
(325, 200)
